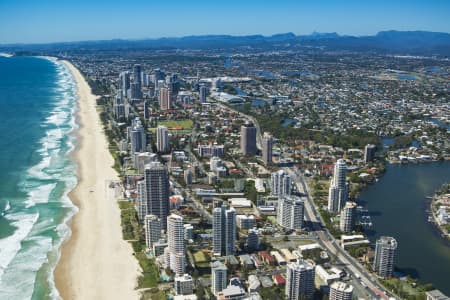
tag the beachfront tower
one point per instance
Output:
(338, 192)
(174, 255)
(157, 191)
(248, 139)
(162, 139)
(141, 200)
(383, 263)
(137, 137)
(152, 230)
(300, 280)
(267, 145)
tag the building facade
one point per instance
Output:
(281, 183)
(341, 291)
(300, 281)
(157, 191)
(348, 217)
(385, 250)
(175, 256)
(267, 147)
(248, 139)
(338, 191)
(290, 212)
(162, 139)
(152, 230)
(224, 231)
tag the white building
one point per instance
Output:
(341, 291)
(175, 258)
(141, 200)
(162, 139)
(281, 183)
(383, 263)
(348, 217)
(184, 285)
(300, 280)
(188, 232)
(218, 277)
(290, 212)
(338, 191)
(267, 145)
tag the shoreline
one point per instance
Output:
(95, 262)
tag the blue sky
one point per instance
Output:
(35, 21)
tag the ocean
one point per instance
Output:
(37, 122)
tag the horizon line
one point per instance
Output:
(2, 44)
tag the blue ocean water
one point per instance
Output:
(37, 107)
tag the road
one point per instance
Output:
(330, 244)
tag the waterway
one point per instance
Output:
(398, 208)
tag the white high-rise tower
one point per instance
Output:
(175, 257)
(338, 191)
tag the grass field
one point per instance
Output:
(185, 124)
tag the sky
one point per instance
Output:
(44, 21)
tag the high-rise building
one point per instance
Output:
(135, 92)
(157, 191)
(162, 139)
(152, 230)
(224, 231)
(341, 291)
(348, 217)
(165, 98)
(211, 150)
(146, 110)
(290, 212)
(369, 152)
(253, 239)
(248, 139)
(383, 263)
(218, 277)
(267, 145)
(188, 177)
(142, 201)
(338, 191)
(184, 285)
(137, 75)
(137, 137)
(175, 258)
(124, 78)
(119, 107)
(300, 280)
(188, 232)
(281, 183)
(203, 93)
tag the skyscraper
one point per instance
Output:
(290, 212)
(338, 191)
(300, 280)
(124, 78)
(135, 92)
(281, 183)
(137, 137)
(152, 230)
(218, 277)
(162, 139)
(341, 291)
(203, 93)
(175, 239)
(137, 75)
(157, 191)
(119, 107)
(224, 230)
(248, 139)
(267, 144)
(383, 263)
(369, 152)
(348, 217)
(142, 200)
(165, 98)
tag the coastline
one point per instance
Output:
(95, 262)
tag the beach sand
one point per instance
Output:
(96, 263)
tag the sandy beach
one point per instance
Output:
(95, 263)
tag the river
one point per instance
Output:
(398, 204)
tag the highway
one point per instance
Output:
(374, 291)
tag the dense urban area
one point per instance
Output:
(240, 172)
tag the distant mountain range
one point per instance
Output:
(393, 42)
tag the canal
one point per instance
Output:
(397, 204)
